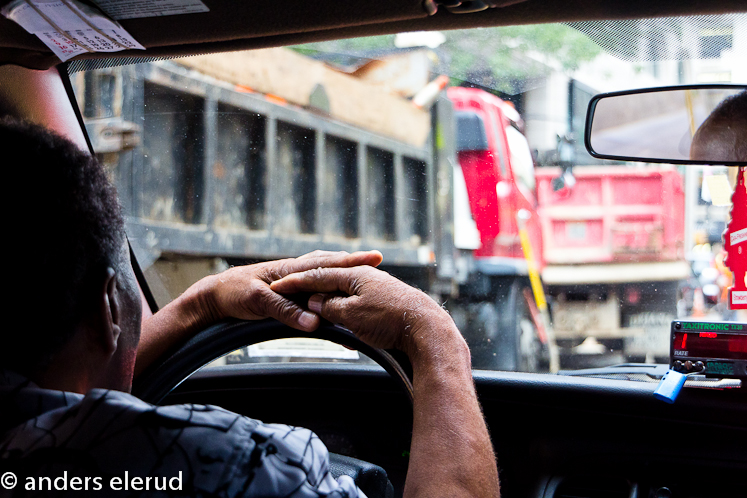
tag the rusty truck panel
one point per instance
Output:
(211, 169)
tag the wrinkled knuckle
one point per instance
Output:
(279, 270)
(316, 273)
(262, 298)
(338, 304)
(286, 309)
(337, 309)
(367, 276)
(356, 284)
(263, 307)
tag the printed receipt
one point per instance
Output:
(132, 9)
(69, 27)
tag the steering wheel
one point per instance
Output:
(176, 365)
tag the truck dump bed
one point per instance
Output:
(218, 170)
(623, 220)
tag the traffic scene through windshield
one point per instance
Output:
(458, 155)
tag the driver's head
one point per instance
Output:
(71, 289)
(723, 135)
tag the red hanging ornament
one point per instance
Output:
(735, 244)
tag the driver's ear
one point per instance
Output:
(109, 313)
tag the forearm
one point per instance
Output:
(451, 453)
(173, 324)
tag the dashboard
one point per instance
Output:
(554, 436)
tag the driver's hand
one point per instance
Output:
(381, 310)
(243, 292)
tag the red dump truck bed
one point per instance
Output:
(613, 217)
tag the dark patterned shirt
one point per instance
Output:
(111, 443)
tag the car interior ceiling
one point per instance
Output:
(554, 436)
(230, 26)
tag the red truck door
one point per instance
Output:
(497, 188)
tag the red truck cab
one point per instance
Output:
(495, 183)
(499, 175)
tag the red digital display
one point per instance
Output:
(714, 345)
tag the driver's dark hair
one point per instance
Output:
(733, 110)
(63, 228)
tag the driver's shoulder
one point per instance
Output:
(107, 432)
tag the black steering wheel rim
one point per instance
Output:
(175, 366)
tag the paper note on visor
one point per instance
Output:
(69, 27)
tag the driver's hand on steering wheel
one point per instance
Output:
(243, 292)
(380, 309)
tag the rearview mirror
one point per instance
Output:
(698, 124)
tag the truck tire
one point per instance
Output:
(500, 331)
(524, 351)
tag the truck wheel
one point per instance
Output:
(500, 331)
(519, 332)
(530, 348)
(531, 354)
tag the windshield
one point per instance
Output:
(458, 155)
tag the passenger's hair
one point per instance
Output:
(63, 227)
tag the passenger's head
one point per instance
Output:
(66, 262)
(723, 135)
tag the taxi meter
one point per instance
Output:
(704, 349)
(710, 349)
